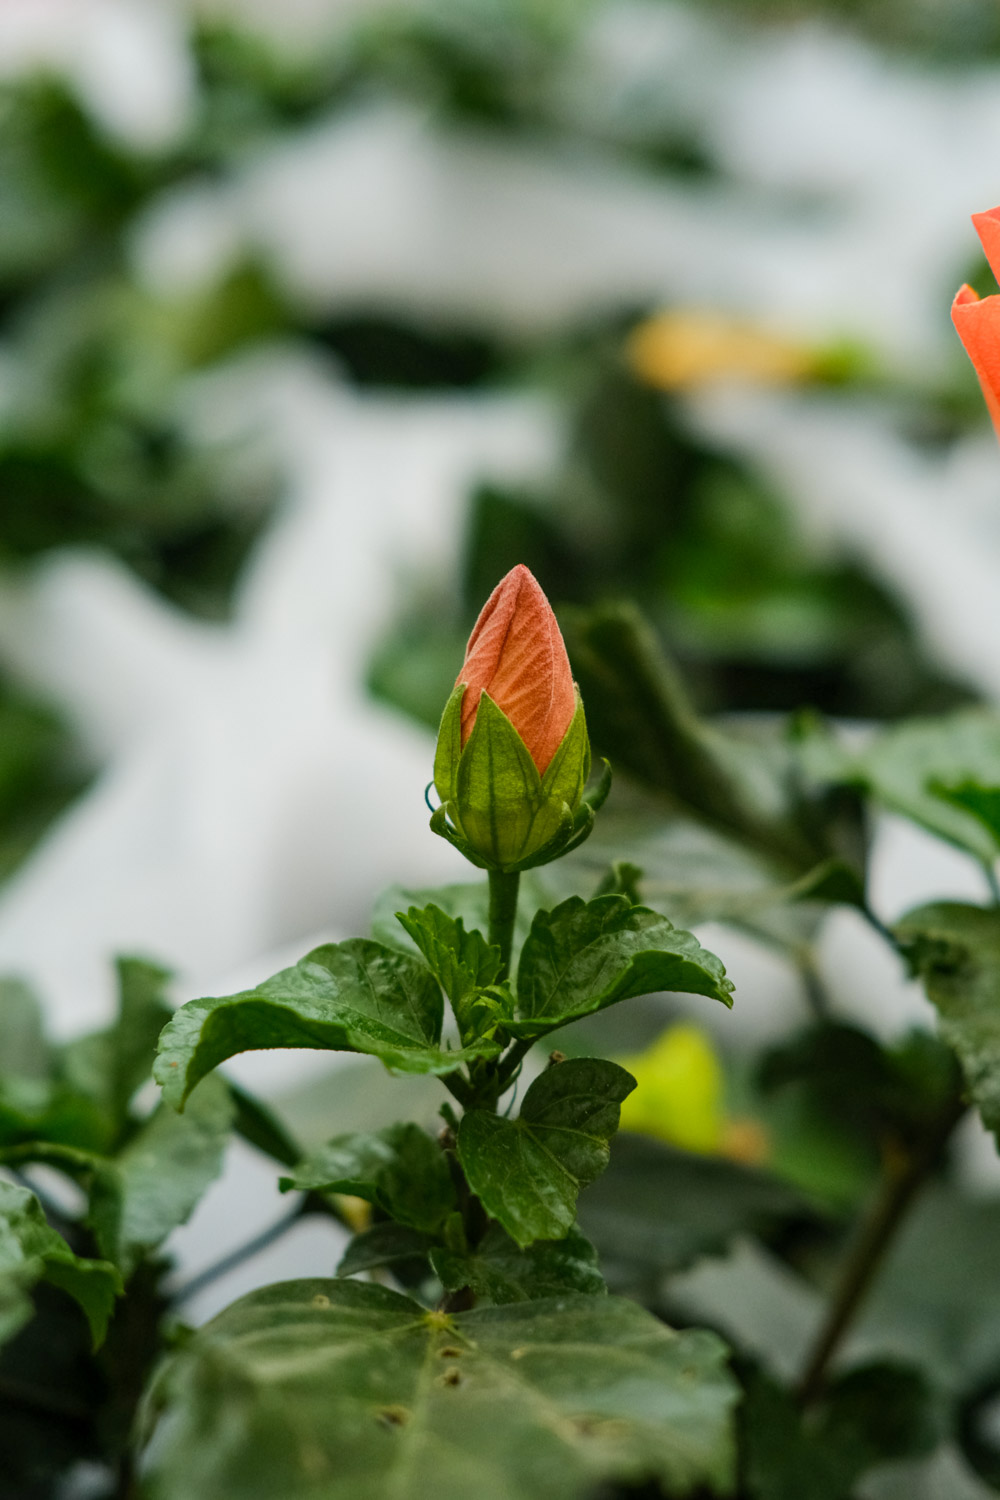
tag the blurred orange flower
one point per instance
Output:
(977, 319)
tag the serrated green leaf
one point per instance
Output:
(354, 1392)
(499, 1271)
(31, 1250)
(957, 951)
(468, 900)
(586, 955)
(385, 1244)
(358, 996)
(462, 962)
(400, 1168)
(528, 1172)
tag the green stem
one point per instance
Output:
(511, 1064)
(901, 1183)
(503, 912)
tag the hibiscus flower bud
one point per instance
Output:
(977, 319)
(513, 754)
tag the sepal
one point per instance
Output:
(495, 808)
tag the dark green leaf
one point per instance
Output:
(957, 951)
(498, 1271)
(357, 996)
(385, 1244)
(870, 1416)
(866, 1088)
(468, 900)
(400, 1168)
(586, 955)
(462, 962)
(30, 1250)
(656, 1210)
(352, 1391)
(528, 1172)
(983, 802)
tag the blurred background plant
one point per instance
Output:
(650, 297)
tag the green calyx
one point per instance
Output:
(495, 807)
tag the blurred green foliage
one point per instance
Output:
(755, 617)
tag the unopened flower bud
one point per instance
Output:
(513, 755)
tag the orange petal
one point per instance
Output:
(978, 323)
(988, 229)
(516, 654)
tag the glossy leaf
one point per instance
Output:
(358, 996)
(30, 1250)
(401, 1169)
(354, 1392)
(468, 900)
(462, 962)
(499, 1271)
(956, 949)
(528, 1172)
(586, 955)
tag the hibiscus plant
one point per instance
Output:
(803, 1297)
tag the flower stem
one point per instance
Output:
(503, 911)
(902, 1180)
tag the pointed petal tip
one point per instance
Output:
(987, 226)
(965, 295)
